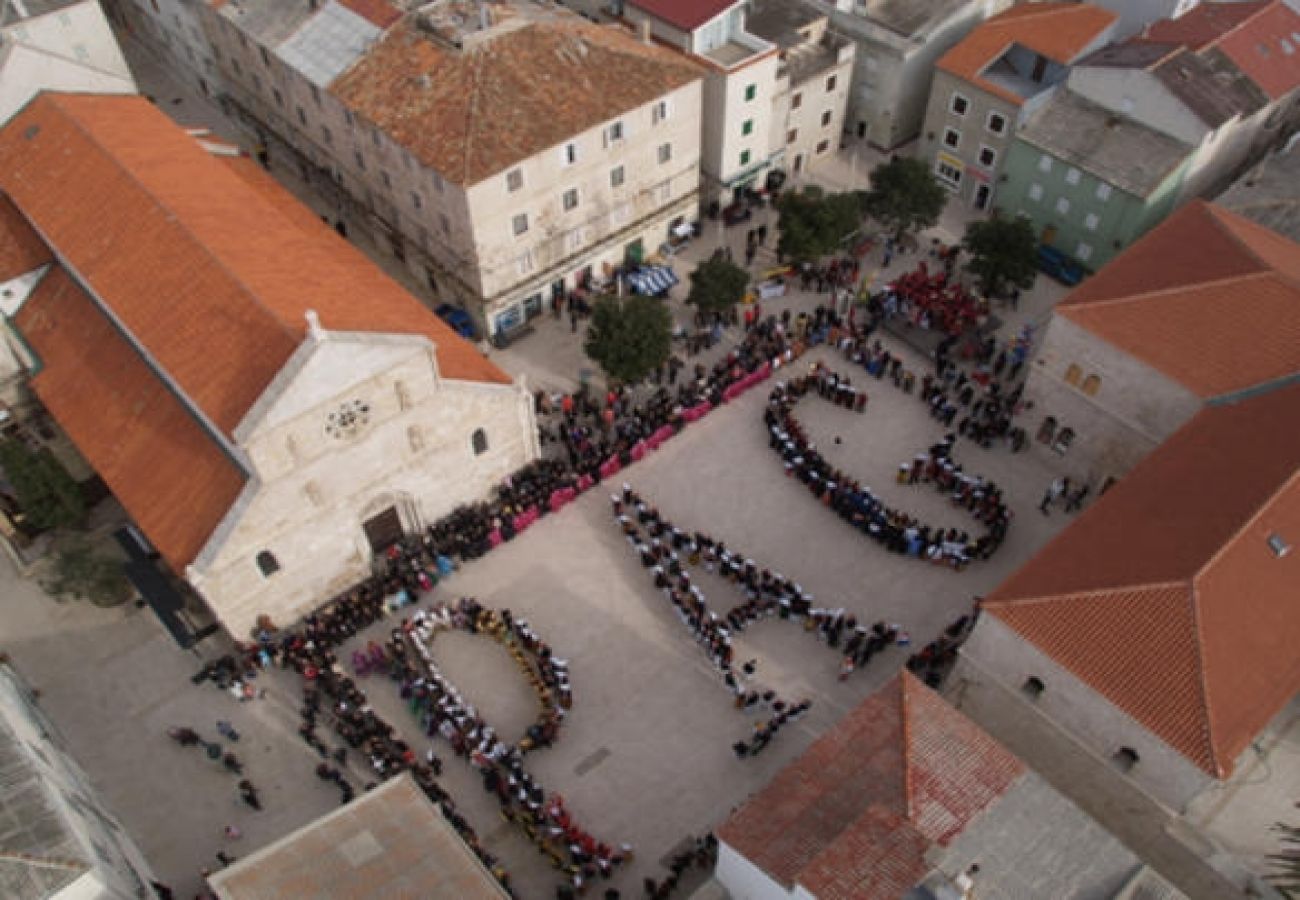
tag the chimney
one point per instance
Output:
(313, 324)
(643, 29)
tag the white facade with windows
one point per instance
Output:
(358, 436)
(966, 135)
(502, 245)
(898, 45)
(175, 29)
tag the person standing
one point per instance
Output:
(1054, 492)
(248, 794)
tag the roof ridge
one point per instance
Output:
(1231, 223)
(1268, 272)
(1287, 484)
(1261, 7)
(172, 214)
(905, 730)
(471, 110)
(993, 605)
(1202, 688)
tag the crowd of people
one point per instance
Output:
(933, 661)
(666, 551)
(441, 711)
(933, 301)
(858, 505)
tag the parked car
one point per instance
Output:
(737, 213)
(1059, 266)
(458, 319)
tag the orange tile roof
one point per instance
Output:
(473, 113)
(212, 272)
(1209, 298)
(1204, 24)
(165, 469)
(21, 250)
(379, 13)
(1059, 31)
(1267, 49)
(900, 773)
(1165, 597)
(684, 14)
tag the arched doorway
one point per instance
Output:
(387, 519)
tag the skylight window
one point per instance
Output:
(1278, 545)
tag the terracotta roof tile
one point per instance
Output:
(1207, 297)
(1203, 24)
(854, 815)
(1267, 48)
(1059, 31)
(150, 219)
(473, 113)
(158, 461)
(379, 13)
(684, 14)
(21, 250)
(1172, 566)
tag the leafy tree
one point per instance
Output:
(79, 571)
(1003, 253)
(717, 285)
(813, 224)
(629, 337)
(904, 196)
(45, 492)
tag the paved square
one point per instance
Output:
(645, 754)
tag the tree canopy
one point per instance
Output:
(1004, 253)
(904, 196)
(629, 337)
(717, 285)
(813, 223)
(79, 571)
(46, 493)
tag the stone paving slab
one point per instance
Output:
(644, 756)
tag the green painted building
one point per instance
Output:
(1091, 181)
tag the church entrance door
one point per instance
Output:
(384, 530)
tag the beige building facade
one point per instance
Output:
(359, 439)
(498, 222)
(174, 29)
(1097, 407)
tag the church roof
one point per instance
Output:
(202, 267)
(1209, 298)
(180, 291)
(1173, 595)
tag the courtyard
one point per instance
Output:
(645, 756)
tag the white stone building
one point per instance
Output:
(488, 143)
(898, 43)
(1134, 15)
(172, 28)
(992, 80)
(268, 406)
(59, 840)
(57, 45)
(776, 85)
(1193, 314)
(1156, 629)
